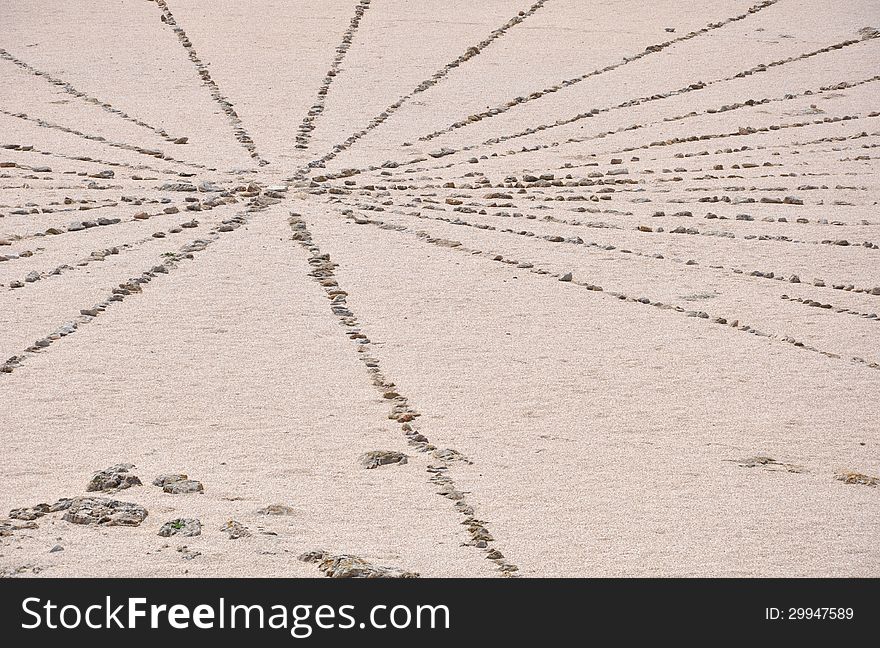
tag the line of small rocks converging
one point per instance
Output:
(651, 49)
(758, 274)
(568, 166)
(101, 255)
(680, 229)
(56, 208)
(749, 103)
(597, 177)
(34, 209)
(221, 198)
(458, 201)
(612, 180)
(69, 89)
(171, 261)
(568, 278)
(241, 134)
(192, 205)
(29, 148)
(611, 184)
(436, 78)
(308, 122)
(819, 283)
(795, 145)
(834, 309)
(130, 287)
(401, 411)
(694, 87)
(628, 128)
(742, 131)
(154, 153)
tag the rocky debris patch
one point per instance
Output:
(235, 530)
(376, 458)
(163, 479)
(187, 553)
(848, 477)
(12, 572)
(350, 566)
(182, 527)
(277, 509)
(104, 511)
(178, 484)
(29, 513)
(8, 527)
(39, 510)
(184, 486)
(113, 479)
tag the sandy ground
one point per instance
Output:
(607, 278)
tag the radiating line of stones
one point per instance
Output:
(569, 278)
(436, 78)
(135, 285)
(71, 90)
(323, 273)
(226, 106)
(155, 153)
(317, 109)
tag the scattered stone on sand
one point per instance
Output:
(39, 510)
(848, 477)
(277, 509)
(178, 484)
(184, 486)
(30, 513)
(187, 553)
(181, 527)
(113, 479)
(448, 454)
(8, 527)
(104, 511)
(768, 463)
(349, 566)
(751, 462)
(450, 492)
(161, 480)
(376, 458)
(12, 572)
(235, 530)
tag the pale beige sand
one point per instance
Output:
(699, 400)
